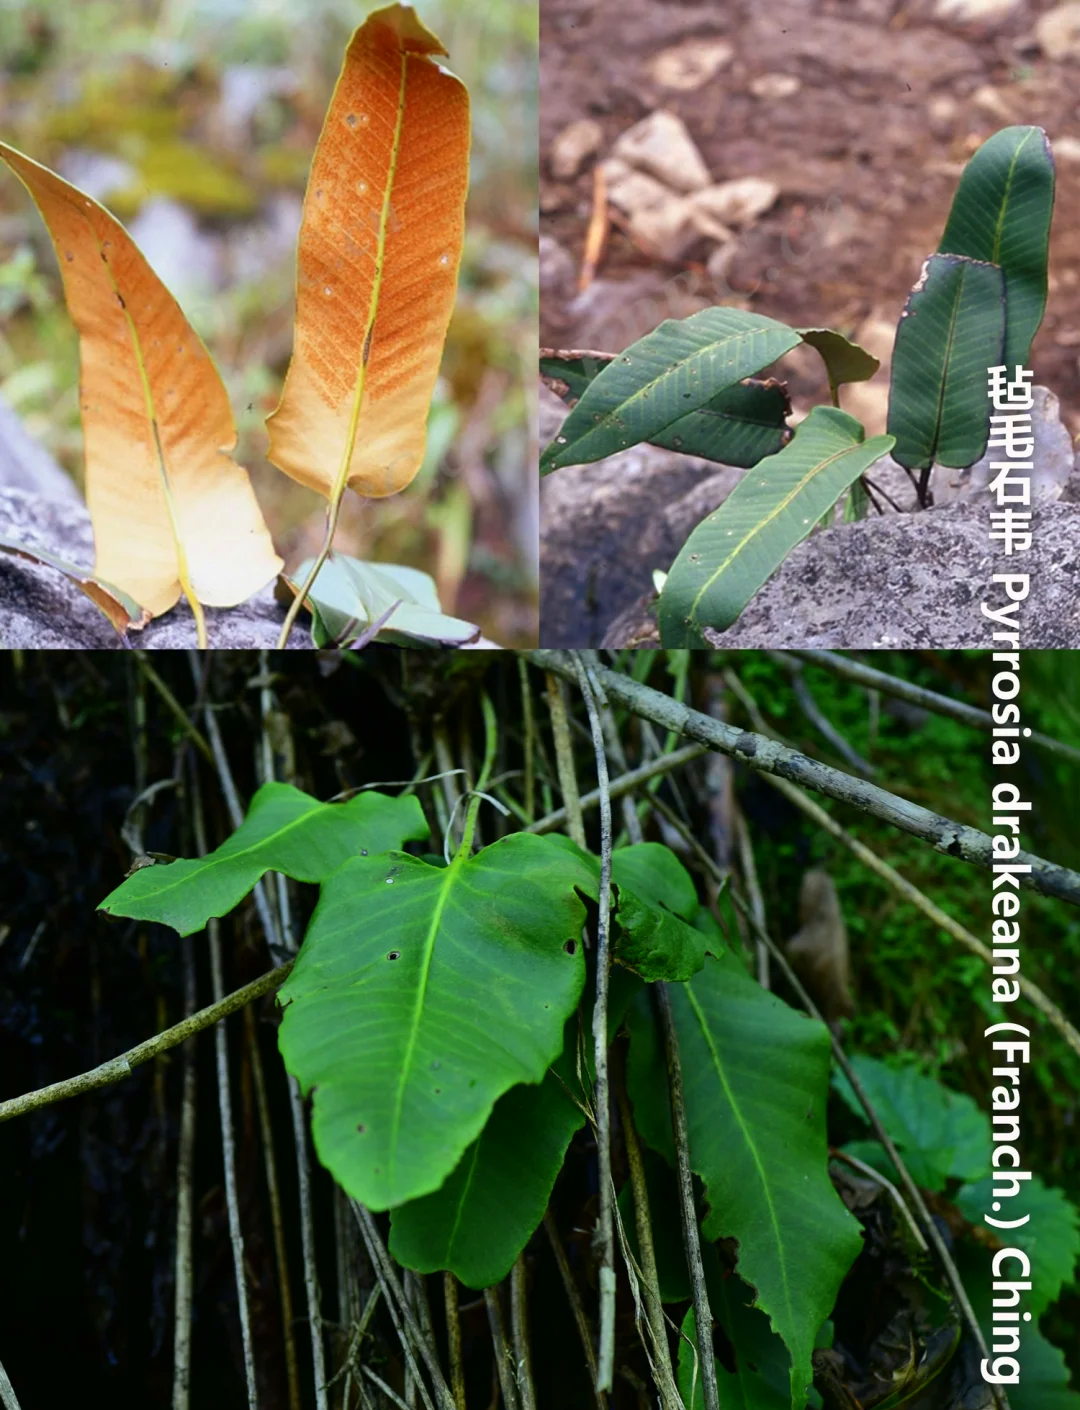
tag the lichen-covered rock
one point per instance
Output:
(910, 581)
(41, 609)
(901, 582)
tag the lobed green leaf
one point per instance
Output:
(286, 831)
(420, 995)
(484, 1214)
(942, 1133)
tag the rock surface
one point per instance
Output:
(41, 609)
(688, 65)
(898, 582)
(1058, 32)
(575, 144)
(895, 583)
(661, 146)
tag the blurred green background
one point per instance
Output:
(195, 121)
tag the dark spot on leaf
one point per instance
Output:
(438, 1091)
(394, 955)
(120, 301)
(570, 947)
(361, 1128)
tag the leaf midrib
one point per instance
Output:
(342, 476)
(750, 1145)
(999, 230)
(946, 360)
(608, 416)
(762, 524)
(446, 884)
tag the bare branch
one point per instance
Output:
(846, 668)
(603, 1239)
(121, 1066)
(624, 784)
(953, 839)
(7, 1391)
(691, 1235)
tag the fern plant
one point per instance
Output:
(693, 385)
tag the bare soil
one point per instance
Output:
(891, 102)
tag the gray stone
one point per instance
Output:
(659, 217)
(974, 11)
(661, 146)
(40, 608)
(737, 203)
(891, 580)
(573, 147)
(1058, 32)
(25, 465)
(907, 582)
(691, 64)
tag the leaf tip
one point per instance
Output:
(412, 36)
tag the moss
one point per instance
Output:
(187, 174)
(285, 166)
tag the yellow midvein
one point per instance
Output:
(762, 524)
(421, 993)
(384, 221)
(163, 472)
(452, 1239)
(766, 1189)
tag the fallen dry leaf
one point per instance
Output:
(124, 615)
